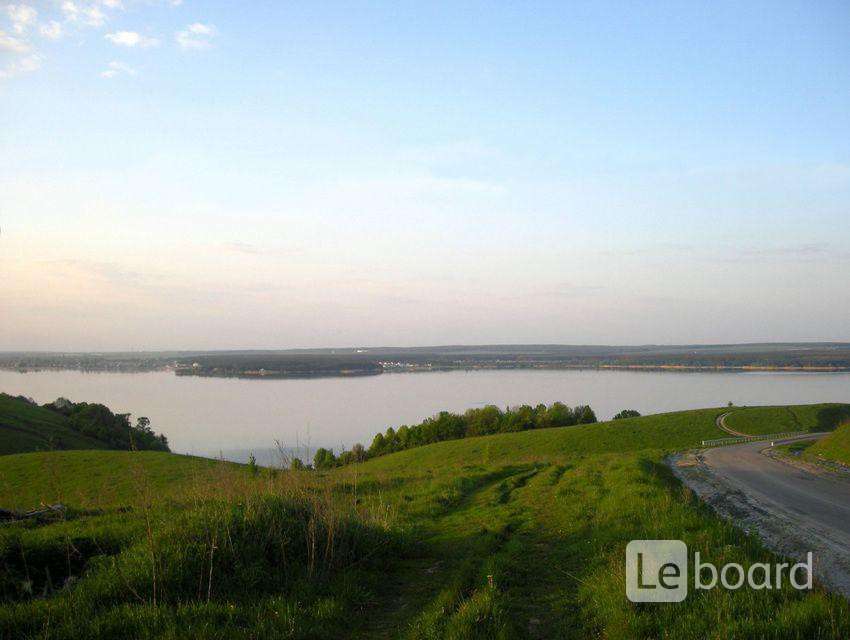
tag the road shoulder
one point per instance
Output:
(786, 532)
(819, 467)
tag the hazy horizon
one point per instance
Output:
(424, 348)
(195, 176)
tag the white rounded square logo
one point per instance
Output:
(656, 571)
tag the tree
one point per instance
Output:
(296, 465)
(377, 447)
(97, 421)
(482, 421)
(444, 426)
(390, 440)
(584, 414)
(560, 415)
(324, 459)
(358, 452)
(252, 464)
(519, 418)
(627, 413)
(541, 417)
(403, 437)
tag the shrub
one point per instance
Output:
(627, 413)
(324, 459)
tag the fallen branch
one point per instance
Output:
(46, 510)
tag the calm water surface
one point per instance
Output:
(209, 415)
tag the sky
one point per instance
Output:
(201, 175)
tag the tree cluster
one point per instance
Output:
(98, 422)
(627, 413)
(453, 426)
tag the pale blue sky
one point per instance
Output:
(201, 175)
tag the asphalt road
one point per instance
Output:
(819, 500)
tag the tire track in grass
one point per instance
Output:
(547, 563)
(422, 594)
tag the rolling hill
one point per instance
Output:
(61, 425)
(515, 535)
(27, 427)
(806, 417)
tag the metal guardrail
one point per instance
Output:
(739, 439)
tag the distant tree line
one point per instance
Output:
(98, 422)
(279, 365)
(453, 426)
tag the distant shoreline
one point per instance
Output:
(825, 357)
(277, 375)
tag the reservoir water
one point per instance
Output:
(207, 416)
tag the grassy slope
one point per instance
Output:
(513, 535)
(807, 417)
(24, 427)
(97, 479)
(835, 446)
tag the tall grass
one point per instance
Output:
(284, 537)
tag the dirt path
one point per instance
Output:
(793, 510)
(721, 424)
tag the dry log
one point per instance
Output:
(46, 510)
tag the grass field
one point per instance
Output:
(834, 447)
(97, 479)
(806, 417)
(24, 427)
(518, 535)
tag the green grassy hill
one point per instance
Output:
(517, 535)
(805, 417)
(834, 447)
(96, 478)
(26, 427)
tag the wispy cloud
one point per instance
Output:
(131, 39)
(22, 59)
(655, 249)
(424, 185)
(801, 250)
(25, 27)
(731, 253)
(116, 68)
(13, 44)
(22, 16)
(21, 65)
(51, 30)
(89, 15)
(248, 249)
(111, 272)
(557, 291)
(196, 36)
(458, 152)
(243, 248)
